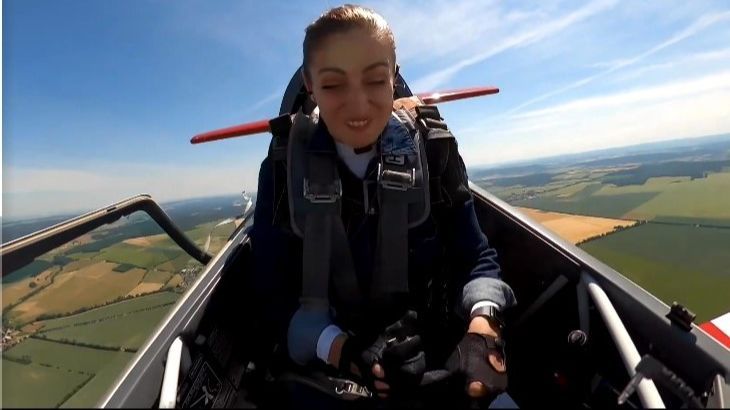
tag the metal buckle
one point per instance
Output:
(323, 198)
(401, 181)
(367, 207)
(345, 386)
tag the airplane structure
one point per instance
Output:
(583, 335)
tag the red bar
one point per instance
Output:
(715, 332)
(230, 132)
(453, 95)
(263, 125)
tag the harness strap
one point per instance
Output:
(404, 203)
(315, 193)
(439, 144)
(316, 259)
(280, 127)
(390, 275)
(343, 272)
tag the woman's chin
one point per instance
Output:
(358, 140)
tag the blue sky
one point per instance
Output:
(100, 98)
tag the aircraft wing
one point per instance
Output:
(719, 328)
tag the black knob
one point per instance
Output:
(577, 338)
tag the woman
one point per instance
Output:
(349, 69)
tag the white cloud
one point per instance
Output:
(692, 107)
(499, 41)
(663, 92)
(52, 191)
(695, 60)
(698, 26)
(275, 95)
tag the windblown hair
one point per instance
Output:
(340, 20)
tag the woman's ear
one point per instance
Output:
(305, 80)
(307, 85)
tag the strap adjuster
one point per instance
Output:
(350, 388)
(316, 195)
(398, 180)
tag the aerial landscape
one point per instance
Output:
(73, 319)
(663, 209)
(657, 213)
(606, 123)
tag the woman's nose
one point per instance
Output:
(359, 100)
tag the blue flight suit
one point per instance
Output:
(450, 239)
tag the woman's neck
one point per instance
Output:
(358, 161)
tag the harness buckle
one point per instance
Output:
(319, 194)
(398, 180)
(350, 388)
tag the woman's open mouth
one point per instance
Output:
(357, 124)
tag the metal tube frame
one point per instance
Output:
(647, 391)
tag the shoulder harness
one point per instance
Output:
(413, 153)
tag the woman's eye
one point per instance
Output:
(330, 86)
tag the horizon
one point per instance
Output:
(101, 99)
(496, 167)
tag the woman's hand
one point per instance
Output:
(482, 326)
(380, 386)
(479, 358)
(377, 371)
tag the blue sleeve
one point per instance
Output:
(277, 257)
(477, 271)
(277, 276)
(481, 277)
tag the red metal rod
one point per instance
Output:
(230, 132)
(263, 125)
(453, 95)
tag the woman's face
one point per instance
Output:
(351, 80)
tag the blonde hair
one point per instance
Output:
(342, 19)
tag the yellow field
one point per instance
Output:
(16, 290)
(146, 240)
(91, 285)
(575, 228)
(174, 281)
(157, 276)
(145, 287)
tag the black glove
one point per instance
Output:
(470, 359)
(398, 350)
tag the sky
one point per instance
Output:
(101, 98)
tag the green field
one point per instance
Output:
(682, 254)
(94, 285)
(157, 276)
(200, 233)
(32, 269)
(96, 388)
(664, 198)
(37, 386)
(143, 256)
(699, 199)
(63, 356)
(616, 206)
(675, 263)
(42, 372)
(177, 264)
(113, 310)
(128, 331)
(82, 255)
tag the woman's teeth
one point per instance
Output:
(357, 124)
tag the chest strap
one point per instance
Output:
(315, 203)
(403, 203)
